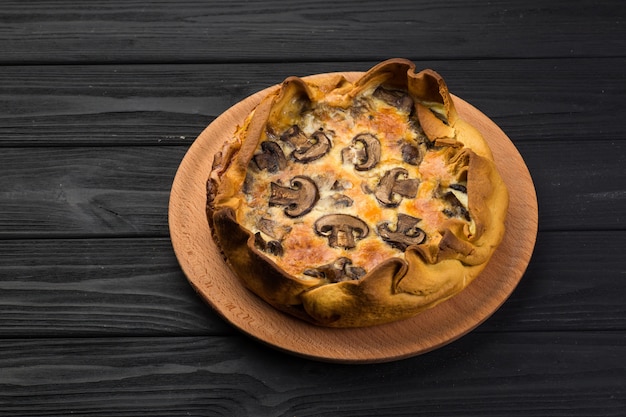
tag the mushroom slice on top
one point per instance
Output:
(271, 158)
(272, 228)
(342, 230)
(341, 200)
(273, 247)
(394, 185)
(319, 145)
(299, 199)
(455, 206)
(459, 187)
(411, 154)
(339, 270)
(295, 137)
(396, 98)
(406, 232)
(364, 152)
(306, 148)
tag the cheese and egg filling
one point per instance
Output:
(342, 182)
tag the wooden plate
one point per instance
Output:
(205, 269)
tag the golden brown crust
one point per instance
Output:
(422, 274)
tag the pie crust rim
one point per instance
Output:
(204, 267)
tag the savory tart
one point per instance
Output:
(351, 204)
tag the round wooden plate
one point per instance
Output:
(202, 262)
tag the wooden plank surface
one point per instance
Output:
(131, 287)
(97, 287)
(493, 374)
(124, 191)
(99, 101)
(531, 99)
(239, 31)
(84, 192)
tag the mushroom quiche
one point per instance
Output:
(351, 204)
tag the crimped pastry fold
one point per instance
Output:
(351, 204)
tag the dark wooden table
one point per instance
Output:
(99, 102)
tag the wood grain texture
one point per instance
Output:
(134, 286)
(574, 282)
(497, 374)
(124, 191)
(86, 191)
(156, 105)
(199, 31)
(202, 262)
(97, 287)
(559, 174)
(83, 271)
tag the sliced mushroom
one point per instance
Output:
(337, 186)
(392, 187)
(341, 200)
(295, 137)
(337, 271)
(396, 98)
(459, 187)
(342, 230)
(360, 107)
(341, 185)
(439, 114)
(299, 199)
(405, 234)
(353, 154)
(307, 149)
(272, 158)
(364, 152)
(456, 208)
(411, 154)
(273, 247)
(319, 145)
(272, 228)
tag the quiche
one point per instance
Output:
(350, 204)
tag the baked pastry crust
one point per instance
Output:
(370, 256)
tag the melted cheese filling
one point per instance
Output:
(335, 179)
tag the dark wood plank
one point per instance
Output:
(574, 282)
(541, 99)
(580, 185)
(124, 191)
(512, 374)
(96, 287)
(96, 317)
(131, 287)
(116, 191)
(199, 31)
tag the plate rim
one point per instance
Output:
(190, 245)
